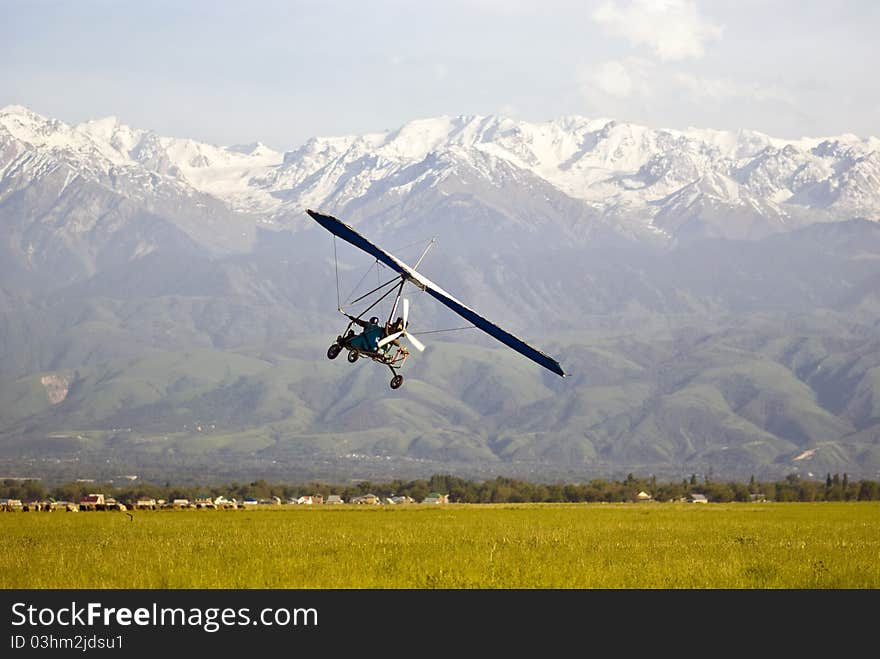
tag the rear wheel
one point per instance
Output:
(333, 351)
(353, 356)
(396, 381)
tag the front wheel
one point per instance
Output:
(396, 381)
(333, 351)
(353, 356)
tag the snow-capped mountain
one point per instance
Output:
(167, 283)
(581, 174)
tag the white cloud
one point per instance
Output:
(673, 29)
(721, 89)
(629, 78)
(634, 87)
(612, 78)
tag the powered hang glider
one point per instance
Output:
(382, 343)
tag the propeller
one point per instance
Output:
(414, 342)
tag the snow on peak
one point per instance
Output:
(610, 164)
(253, 149)
(112, 138)
(104, 127)
(19, 110)
(605, 162)
(28, 126)
(414, 140)
(86, 140)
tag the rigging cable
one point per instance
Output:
(336, 266)
(422, 241)
(357, 285)
(451, 329)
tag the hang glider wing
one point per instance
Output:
(349, 235)
(339, 228)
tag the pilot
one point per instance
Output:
(368, 340)
(393, 328)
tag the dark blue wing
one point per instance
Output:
(492, 329)
(349, 235)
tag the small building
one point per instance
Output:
(145, 504)
(112, 504)
(436, 497)
(698, 498)
(758, 498)
(10, 504)
(249, 502)
(305, 500)
(205, 502)
(92, 502)
(397, 500)
(223, 502)
(180, 503)
(334, 499)
(644, 496)
(318, 499)
(370, 499)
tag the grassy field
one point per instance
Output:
(800, 545)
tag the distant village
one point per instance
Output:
(28, 494)
(100, 501)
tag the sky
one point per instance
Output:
(280, 72)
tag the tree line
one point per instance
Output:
(497, 490)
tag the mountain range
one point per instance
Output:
(165, 304)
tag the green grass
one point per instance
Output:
(828, 545)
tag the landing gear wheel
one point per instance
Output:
(333, 351)
(353, 356)
(396, 381)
